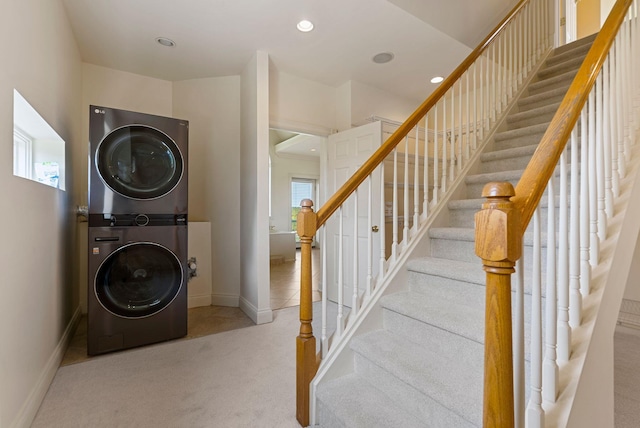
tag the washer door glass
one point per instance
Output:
(139, 162)
(138, 280)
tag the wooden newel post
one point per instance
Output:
(498, 244)
(306, 364)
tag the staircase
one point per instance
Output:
(425, 367)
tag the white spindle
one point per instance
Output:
(444, 145)
(436, 158)
(468, 110)
(602, 216)
(323, 333)
(564, 331)
(340, 273)
(593, 190)
(452, 137)
(585, 266)
(383, 226)
(613, 124)
(535, 414)
(575, 298)
(622, 169)
(405, 193)
(606, 137)
(355, 263)
(394, 212)
(416, 180)
(475, 106)
(425, 209)
(369, 236)
(550, 366)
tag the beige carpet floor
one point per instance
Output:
(627, 377)
(239, 378)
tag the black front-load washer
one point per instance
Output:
(138, 162)
(137, 285)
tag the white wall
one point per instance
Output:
(297, 104)
(212, 107)
(367, 101)
(254, 190)
(40, 59)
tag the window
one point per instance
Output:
(38, 151)
(301, 188)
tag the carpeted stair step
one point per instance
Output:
(559, 81)
(448, 391)
(519, 137)
(352, 402)
(570, 51)
(534, 116)
(542, 98)
(511, 158)
(572, 64)
(575, 44)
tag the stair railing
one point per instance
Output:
(424, 158)
(581, 161)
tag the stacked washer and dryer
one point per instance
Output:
(137, 229)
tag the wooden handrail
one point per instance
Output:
(384, 150)
(539, 170)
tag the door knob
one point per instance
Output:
(374, 229)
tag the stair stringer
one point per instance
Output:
(340, 359)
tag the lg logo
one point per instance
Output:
(98, 111)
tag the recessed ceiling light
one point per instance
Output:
(165, 42)
(383, 57)
(313, 150)
(305, 26)
(437, 79)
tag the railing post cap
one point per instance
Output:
(498, 190)
(306, 203)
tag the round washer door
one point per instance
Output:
(138, 280)
(139, 162)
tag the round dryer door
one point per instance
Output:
(138, 280)
(139, 162)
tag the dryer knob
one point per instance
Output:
(142, 220)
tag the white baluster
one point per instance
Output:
(383, 226)
(436, 158)
(467, 151)
(425, 209)
(452, 140)
(324, 339)
(575, 298)
(394, 218)
(564, 331)
(622, 169)
(535, 414)
(356, 262)
(585, 266)
(369, 236)
(475, 107)
(339, 325)
(613, 123)
(593, 191)
(550, 366)
(606, 136)
(416, 181)
(444, 145)
(602, 216)
(405, 194)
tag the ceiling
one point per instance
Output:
(219, 37)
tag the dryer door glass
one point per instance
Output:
(138, 280)
(139, 162)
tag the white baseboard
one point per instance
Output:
(259, 317)
(232, 300)
(29, 409)
(197, 301)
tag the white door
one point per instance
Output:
(346, 152)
